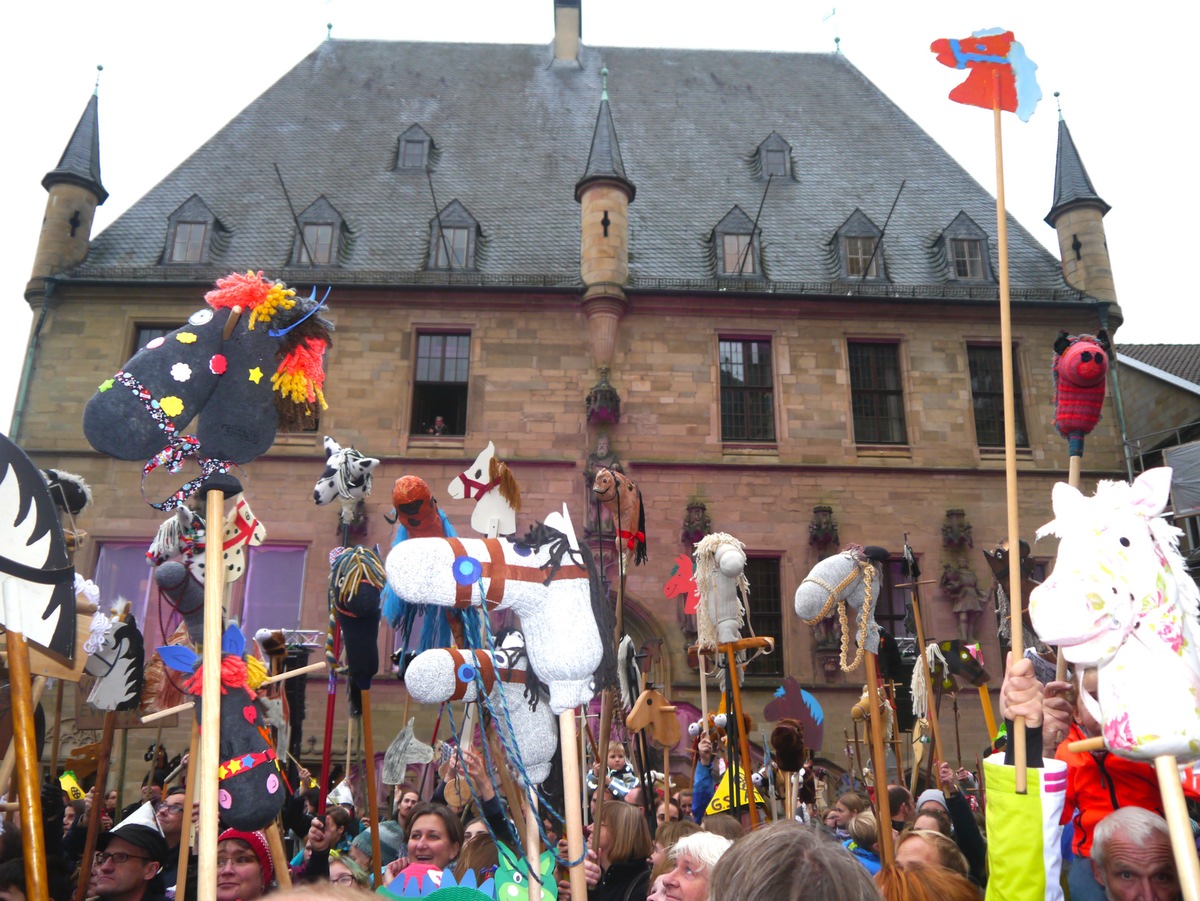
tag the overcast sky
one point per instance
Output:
(175, 73)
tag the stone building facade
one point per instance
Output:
(595, 224)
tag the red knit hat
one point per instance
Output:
(257, 842)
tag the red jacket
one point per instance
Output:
(1099, 783)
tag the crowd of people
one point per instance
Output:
(1116, 843)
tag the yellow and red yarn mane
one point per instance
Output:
(262, 297)
(300, 377)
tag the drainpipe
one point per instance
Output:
(1102, 311)
(14, 429)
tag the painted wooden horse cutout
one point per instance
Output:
(623, 500)
(347, 476)
(491, 484)
(34, 564)
(546, 577)
(1119, 599)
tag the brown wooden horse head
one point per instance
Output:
(656, 712)
(623, 500)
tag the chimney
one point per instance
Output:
(568, 27)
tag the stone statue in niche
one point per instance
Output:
(960, 586)
(599, 520)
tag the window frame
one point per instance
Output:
(890, 617)
(440, 247)
(744, 253)
(199, 246)
(763, 388)
(775, 154)
(869, 260)
(884, 397)
(405, 161)
(307, 243)
(421, 417)
(769, 609)
(993, 400)
(974, 263)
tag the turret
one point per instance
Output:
(1078, 216)
(604, 193)
(75, 191)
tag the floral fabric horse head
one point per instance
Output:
(848, 579)
(265, 375)
(1120, 600)
(623, 499)
(493, 487)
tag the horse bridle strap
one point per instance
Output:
(245, 763)
(483, 666)
(476, 490)
(498, 572)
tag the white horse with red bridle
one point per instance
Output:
(490, 483)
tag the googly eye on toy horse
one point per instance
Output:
(250, 375)
(252, 790)
(1119, 600)
(347, 476)
(34, 563)
(492, 485)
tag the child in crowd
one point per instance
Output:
(621, 777)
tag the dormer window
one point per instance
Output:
(317, 246)
(453, 238)
(188, 245)
(858, 249)
(860, 258)
(413, 151)
(735, 246)
(323, 238)
(194, 234)
(772, 158)
(962, 249)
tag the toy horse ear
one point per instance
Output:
(1066, 501)
(331, 447)
(1152, 490)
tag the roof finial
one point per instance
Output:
(96, 89)
(604, 83)
(329, 31)
(837, 45)
(1059, 102)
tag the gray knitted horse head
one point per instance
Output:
(846, 580)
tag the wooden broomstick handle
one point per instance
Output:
(572, 806)
(372, 803)
(10, 756)
(210, 698)
(97, 811)
(189, 798)
(1175, 812)
(33, 841)
(879, 762)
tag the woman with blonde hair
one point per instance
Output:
(622, 846)
(929, 848)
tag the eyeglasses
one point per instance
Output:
(344, 879)
(239, 861)
(117, 857)
(170, 808)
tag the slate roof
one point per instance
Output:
(80, 163)
(1179, 360)
(1072, 187)
(513, 132)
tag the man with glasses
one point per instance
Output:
(173, 822)
(129, 860)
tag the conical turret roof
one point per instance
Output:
(80, 162)
(1072, 187)
(604, 159)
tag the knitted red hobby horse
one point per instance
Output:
(250, 376)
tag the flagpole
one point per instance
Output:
(1010, 431)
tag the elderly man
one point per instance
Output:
(1131, 857)
(694, 857)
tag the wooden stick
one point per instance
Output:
(1086, 745)
(897, 749)
(97, 811)
(33, 840)
(56, 738)
(572, 806)
(280, 859)
(170, 711)
(989, 715)
(1074, 465)
(210, 696)
(122, 761)
(533, 848)
(931, 713)
(1010, 432)
(330, 706)
(189, 800)
(372, 803)
(1175, 812)
(879, 761)
(743, 740)
(10, 756)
